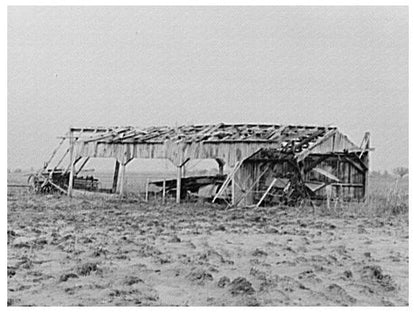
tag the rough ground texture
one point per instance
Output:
(107, 252)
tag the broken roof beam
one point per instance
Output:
(91, 129)
(302, 155)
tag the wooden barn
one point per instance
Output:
(266, 163)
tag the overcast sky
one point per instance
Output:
(142, 66)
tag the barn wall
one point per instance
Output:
(336, 143)
(252, 169)
(264, 172)
(229, 152)
(344, 170)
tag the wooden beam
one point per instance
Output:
(82, 165)
(115, 177)
(316, 162)
(358, 166)
(71, 162)
(360, 161)
(62, 158)
(178, 185)
(164, 191)
(228, 180)
(147, 189)
(348, 184)
(58, 187)
(302, 155)
(326, 174)
(179, 180)
(367, 165)
(308, 139)
(54, 153)
(267, 192)
(122, 179)
(252, 185)
(365, 144)
(233, 189)
(74, 163)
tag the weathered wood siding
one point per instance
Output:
(344, 171)
(229, 152)
(252, 169)
(264, 172)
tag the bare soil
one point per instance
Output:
(85, 251)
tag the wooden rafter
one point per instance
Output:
(302, 155)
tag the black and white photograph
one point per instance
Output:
(207, 155)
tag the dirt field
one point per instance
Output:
(85, 251)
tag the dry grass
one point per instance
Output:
(105, 251)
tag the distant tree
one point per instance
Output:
(18, 170)
(401, 171)
(8, 170)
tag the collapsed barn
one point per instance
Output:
(268, 164)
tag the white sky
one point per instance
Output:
(87, 66)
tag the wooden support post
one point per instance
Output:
(178, 185)
(82, 165)
(71, 160)
(184, 171)
(62, 158)
(72, 163)
(267, 192)
(54, 153)
(122, 179)
(147, 189)
(233, 190)
(247, 192)
(115, 178)
(164, 191)
(366, 172)
(228, 180)
(220, 166)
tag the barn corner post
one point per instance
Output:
(367, 171)
(125, 159)
(178, 184)
(115, 177)
(122, 179)
(71, 162)
(180, 175)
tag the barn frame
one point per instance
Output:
(261, 157)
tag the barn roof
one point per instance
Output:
(230, 142)
(218, 133)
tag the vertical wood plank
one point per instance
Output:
(122, 179)
(178, 185)
(147, 189)
(71, 160)
(233, 190)
(115, 177)
(164, 191)
(367, 163)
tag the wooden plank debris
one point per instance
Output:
(227, 180)
(326, 174)
(265, 193)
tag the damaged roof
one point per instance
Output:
(229, 142)
(289, 136)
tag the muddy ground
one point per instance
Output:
(85, 251)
